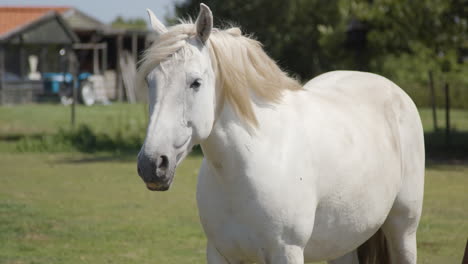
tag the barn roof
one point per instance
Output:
(12, 17)
(35, 25)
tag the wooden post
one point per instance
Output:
(96, 60)
(432, 101)
(73, 68)
(104, 58)
(447, 114)
(120, 92)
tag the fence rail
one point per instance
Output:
(20, 92)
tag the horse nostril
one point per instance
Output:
(163, 162)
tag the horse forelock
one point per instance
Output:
(165, 46)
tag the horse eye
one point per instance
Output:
(195, 85)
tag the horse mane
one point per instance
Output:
(241, 66)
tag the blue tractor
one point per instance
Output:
(61, 85)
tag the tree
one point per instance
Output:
(404, 38)
(400, 26)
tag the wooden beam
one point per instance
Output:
(89, 45)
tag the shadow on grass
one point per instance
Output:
(119, 146)
(111, 157)
(82, 139)
(129, 156)
(125, 145)
(102, 157)
(17, 137)
(441, 150)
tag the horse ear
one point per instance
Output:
(155, 23)
(204, 23)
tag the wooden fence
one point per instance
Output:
(20, 92)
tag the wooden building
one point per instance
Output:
(106, 50)
(42, 32)
(26, 33)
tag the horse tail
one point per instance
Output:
(375, 250)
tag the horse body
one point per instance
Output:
(324, 180)
(291, 173)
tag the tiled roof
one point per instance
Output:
(13, 17)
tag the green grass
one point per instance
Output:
(80, 209)
(458, 119)
(47, 128)
(75, 208)
(47, 118)
(121, 128)
(93, 208)
(443, 230)
(35, 119)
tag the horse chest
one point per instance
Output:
(232, 228)
(248, 223)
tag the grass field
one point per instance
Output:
(74, 207)
(34, 119)
(47, 118)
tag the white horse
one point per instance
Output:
(291, 174)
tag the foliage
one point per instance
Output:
(411, 71)
(288, 29)
(130, 23)
(404, 39)
(396, 25)
(407, 39)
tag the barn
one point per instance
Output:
(37, 44)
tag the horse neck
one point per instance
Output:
(228, 140)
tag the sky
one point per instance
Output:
(107, 10)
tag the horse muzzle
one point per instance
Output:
(153, 186)
(157, 173)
